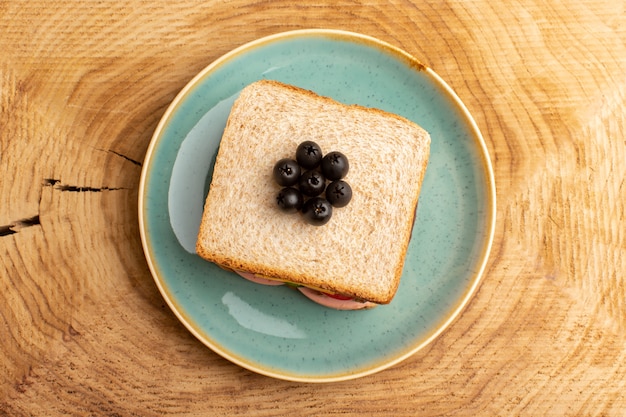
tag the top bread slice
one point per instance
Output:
(360, 252)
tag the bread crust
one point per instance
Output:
(361, 251)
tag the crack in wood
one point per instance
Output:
(56, 184)
(12, 228)
(76, 189)
(48, 182)
(16, 226)
(126, 157)
(121, 155)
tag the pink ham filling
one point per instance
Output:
(331, 302)
(313, 295)
(258, 280)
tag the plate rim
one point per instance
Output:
(479, 142)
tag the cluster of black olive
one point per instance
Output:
(304, 180)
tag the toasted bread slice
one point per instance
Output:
(360, 252)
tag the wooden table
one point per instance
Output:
(83, 328)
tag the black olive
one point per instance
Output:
(289, 200)
(339, 193)
(286, 172)
(317, 211)
(309, 154)
(312, 183)
(335, 166)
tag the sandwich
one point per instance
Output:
(353, 260)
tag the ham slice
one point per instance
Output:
(259, 280)
(336, 302)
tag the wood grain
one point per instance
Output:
(83, 328)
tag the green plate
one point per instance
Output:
(276, 331)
